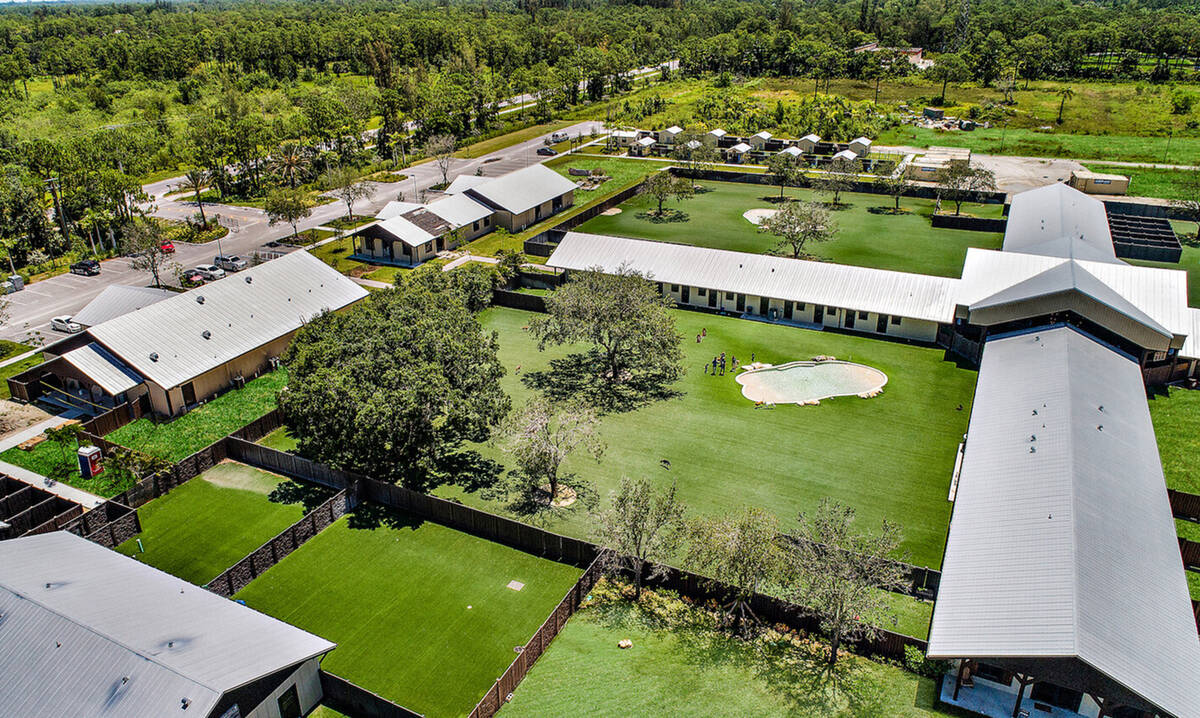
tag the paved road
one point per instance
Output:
(31, 310)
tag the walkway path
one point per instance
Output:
(33, 478)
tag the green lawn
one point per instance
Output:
(1148, 182)
(14, 369)
(1035, 143)
(280, 440)
(679, 665)
(211, 522)
(889, 457)
(187, 434)
(905, 242)
(421, 613)
(11, 349)
(1176, 417)
(622, 172)
(48, 459)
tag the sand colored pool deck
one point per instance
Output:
(808, 382)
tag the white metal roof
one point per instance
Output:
(915, 296)
(718, 132)
(846, 155)
(241, 312)
(118, 299)
(811, 138)
(741, 147)
(1061, 509)
(764, 135)
(104, 369)
(459, 210)
(396, 209)
(1191, 345)
(624, 133)
(645, 141)
(673, 130)
(462, 183)
(1160, 293)
(693, 144)
(519, 191)
(86, 631)
(861, 141)
(792, 150)
(1059, 221)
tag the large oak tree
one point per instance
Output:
(393, 386)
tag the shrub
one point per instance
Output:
(916, 662)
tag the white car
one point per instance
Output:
(231, 263)
(210, 271)
(64, 324)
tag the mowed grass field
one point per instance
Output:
(905, 242)
(684, 670)
(211, 522)
(889, 457)
(421, 613)
(185, 435)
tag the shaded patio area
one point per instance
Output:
(988, 700)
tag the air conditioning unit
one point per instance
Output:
(239, 382)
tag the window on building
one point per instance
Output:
(862, 315)
(701, 291)
(993, 674)
(831, 310)
(558, 202)
(475, 227)
(800, 306)
(729, 295)
(1100, 181)
(1056, 696)
(487, 221)
(289, 703)
(895, 320)
(674, 287)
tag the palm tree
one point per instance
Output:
(1066, 93)
(289, 162)
(195, 181)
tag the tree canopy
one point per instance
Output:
(394, 385)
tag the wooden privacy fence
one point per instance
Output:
(238, 576)
(504, 686)
(352, 699)
(862, 186)
(1190, 551)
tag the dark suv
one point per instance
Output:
(86, 267)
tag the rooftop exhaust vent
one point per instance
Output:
(153, 356)
(249, 280)
(200, 299)
(206, 334)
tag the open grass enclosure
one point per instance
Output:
(185, 435)
(889, 457)
(422, 614)
(867, 234)
(209, 523)
(680, 665)
(1176, 416)
(55, 461)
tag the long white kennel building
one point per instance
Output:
(1063, 592)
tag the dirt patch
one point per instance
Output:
(232, 475)
(757, 216)
(14, 416)
(612, 211)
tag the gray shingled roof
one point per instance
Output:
(85, 631)
(1062, 551)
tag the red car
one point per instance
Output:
(167, 247)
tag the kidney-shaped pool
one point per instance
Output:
(803, 382)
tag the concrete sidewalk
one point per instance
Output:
(35, 479)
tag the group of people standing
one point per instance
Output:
(718, 362)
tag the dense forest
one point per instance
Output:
(93, 98)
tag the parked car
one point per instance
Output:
(272, 244)
(64, 324)
(559, 137)
(546, 151)
(167, 247)
(230, 263)
(209, 271)
(86, 267)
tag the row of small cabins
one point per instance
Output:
(1062, 584)
(734, 149)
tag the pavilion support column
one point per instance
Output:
(1023, 681)
(964, 670)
